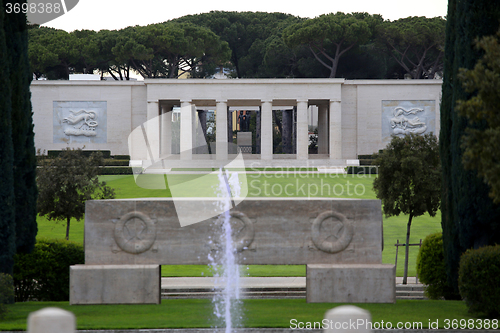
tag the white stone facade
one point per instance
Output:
(354, 116)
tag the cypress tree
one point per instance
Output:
(7, 208)
(469, 217)
(22, 132)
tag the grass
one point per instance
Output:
(263, 185)
(197, 313)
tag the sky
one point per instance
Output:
(118, 14)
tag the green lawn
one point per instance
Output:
(262, 185)
(192, 313)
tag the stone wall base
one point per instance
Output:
(115, 284)
(351, 283)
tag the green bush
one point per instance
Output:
(479, 280)
(43, 275)
(116, 171)
(115, 162)
(431, 268)
(6, 292)
(86, 153)
(362, 170)
(122, 157)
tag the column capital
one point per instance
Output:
(221, 101)
(262, 101)
(302, 101)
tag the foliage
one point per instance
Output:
(7, 213)
(480, 143)
(17, 161)
(470, 219)
(409, 179)
(43, 275)
(24, 166)
(6, 293)
(66, 182)
(416, 44)
(479, 278)
(329, 36)
(431, 268)
(254, 39)
(246, 44)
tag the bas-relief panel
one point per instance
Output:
(80, 122)
(405, 117)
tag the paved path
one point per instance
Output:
(245, 282)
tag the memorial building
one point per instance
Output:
(349, 117)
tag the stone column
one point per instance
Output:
(323, 129)
(187, 120)
(166, 132)
(266, 135)
(257, 131)
(302, 133)
(221, 128)
(152, 131)
(335, 130)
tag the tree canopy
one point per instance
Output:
(416, 44)
(409, 179)
(247, 44)
(469, 217)
(18, 192)
(481, 144)
(66, 182)
(329, 36)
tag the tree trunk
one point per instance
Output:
(407, 249)
(67, 227)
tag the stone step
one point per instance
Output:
(410, 287)
(402, 292)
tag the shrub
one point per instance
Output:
(431, 268)
(116, 171)
(6, 292)
(362, 170)
(115, 162)
(479, 280)
(43, 275)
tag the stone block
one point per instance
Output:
(244, 138)
(295, 231)
(51, 320)
(351, 283)
(115, 284)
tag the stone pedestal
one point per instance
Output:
(351, 283)
(114, 284)
(244, 140)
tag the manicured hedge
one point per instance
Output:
(115, 162)
(431, 268)
(86, 153)
(43, 275)
(362, 170)
(116, 171)
(121, 157)
(479, 280)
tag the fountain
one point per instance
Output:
(222, 257)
